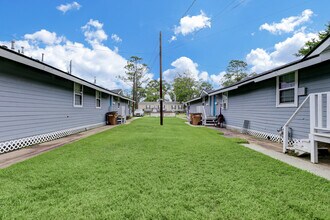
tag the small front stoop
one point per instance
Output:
(302, 147)
(210, 121)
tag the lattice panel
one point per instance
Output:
(263, 135)
(37, 139)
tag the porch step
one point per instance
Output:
(302, 147)
(209, 122)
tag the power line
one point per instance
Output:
(175, 46)
(239, 2)
(184, 14)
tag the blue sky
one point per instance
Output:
(99, 36)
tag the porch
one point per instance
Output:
(319, 113)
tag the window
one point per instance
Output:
(148, 107)
(286, 90)
(98, 99)
(225, 100)
(78, 95)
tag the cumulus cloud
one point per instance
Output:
(191, 24)
(93, 32)
(45, 37)
(68, 7)
(216, 79)
(283, 52)
(288, 24)
(184, 65)
(99, 61)
(116, 38)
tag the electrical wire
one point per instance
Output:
(186, 12)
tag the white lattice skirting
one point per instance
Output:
(37, 139)
(263, 135)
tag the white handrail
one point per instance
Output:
(286, 125)
(297, 110)
(315, 116)
(204, 116)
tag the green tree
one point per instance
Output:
(311, 44)
(136, 75)
(235, 72)
(185, 87)
(203, 85)
(152, 90)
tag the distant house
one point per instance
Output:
(40, 103)
(289, 104)
(175, 107)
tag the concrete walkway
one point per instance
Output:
(13, 157)
(321, 170)
(274, 150)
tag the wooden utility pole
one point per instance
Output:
(134, 92)
(160, 79)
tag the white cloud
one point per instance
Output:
(100, 61)
(190, 24)
(288, 24)
(216, 79)
(116, 38)
(68, 7)
(93, 32)
(182, 65)
(186, 65)
(45, 37)
(173, 38)
(283, 53)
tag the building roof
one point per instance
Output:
(25, 60)
(312, 58)
(117, 91)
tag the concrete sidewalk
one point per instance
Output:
(274, 150)
(7, 159)
(321, 170)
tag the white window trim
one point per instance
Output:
(287, 105)
(74, 96)
(222, 100)
(96, 98)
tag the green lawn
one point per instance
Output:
(144, 171)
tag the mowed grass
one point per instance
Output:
(145, 171)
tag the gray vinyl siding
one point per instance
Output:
(33, 102)
(257, 103)
(193, 106)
